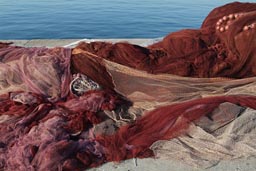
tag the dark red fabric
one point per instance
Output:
(93, 68)
(10, 107)
(204, 52)
(48, 136)
(161, 124)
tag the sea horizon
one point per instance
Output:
(63, 19)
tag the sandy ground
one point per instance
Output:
(150, 164)
(248, 164)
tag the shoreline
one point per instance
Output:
(65, 42)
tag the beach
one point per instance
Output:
(149, 164)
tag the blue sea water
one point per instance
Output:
(45, 19)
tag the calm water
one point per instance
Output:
(30, 19)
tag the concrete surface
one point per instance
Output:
(242, 164)
(64, 42)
